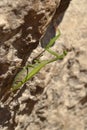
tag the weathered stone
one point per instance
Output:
(22, 23)
(56, 98)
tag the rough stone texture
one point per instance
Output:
(56, 98)
(22, 23)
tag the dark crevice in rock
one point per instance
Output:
(29, 30)
(84, 100)
(37, 91)
(7, 34)
(56, 20)
(29, 107)
(61, 10)
(5, 115)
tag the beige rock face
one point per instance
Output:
(56, 98)
(22, 23)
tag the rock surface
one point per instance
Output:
(22, 23)
(56, 98)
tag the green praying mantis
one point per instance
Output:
(37, 65)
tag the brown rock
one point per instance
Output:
(22, 23)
